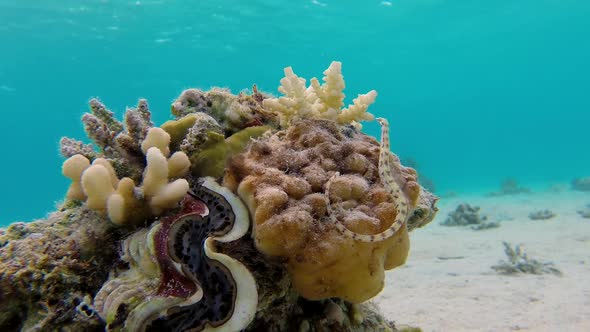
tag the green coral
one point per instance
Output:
(183, 130)
(211, 160)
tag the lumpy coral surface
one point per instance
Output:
(283, 180)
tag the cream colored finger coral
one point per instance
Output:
(121, 200)
(103, 197)
(97, 186)
(73, 168)
(159, 138)
(178, 165)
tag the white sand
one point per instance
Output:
(465, 294)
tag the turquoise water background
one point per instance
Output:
(475, 91)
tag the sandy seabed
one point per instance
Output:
(447, 283)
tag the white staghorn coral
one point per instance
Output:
(358, 110)
(329, 95)
(318, 101)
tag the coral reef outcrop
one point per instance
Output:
(243, 213)
(51, 268)
(510, 186)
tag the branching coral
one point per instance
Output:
(102, 127)
(73, 168)
(137, 123)
(318, 101)
(177, 280)
(519, 262)
(99, 185)
(119, 143)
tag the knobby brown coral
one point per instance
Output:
(283, 178)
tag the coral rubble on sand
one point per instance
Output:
(541, 215)
(519, 262)
(244, 213)
(585, 212)
(467, 215)
(510, 187)
(581, 184)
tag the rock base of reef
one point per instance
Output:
(50, 270)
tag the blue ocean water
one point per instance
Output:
(476, 91)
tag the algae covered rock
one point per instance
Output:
(467, 215)
(581, 184)
(51, 268)
(541, 215)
